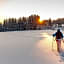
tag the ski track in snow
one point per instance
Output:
(29, 47)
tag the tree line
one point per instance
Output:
(28, 23)
(22, 23)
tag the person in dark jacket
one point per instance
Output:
(59, 37)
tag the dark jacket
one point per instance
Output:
(58, 34)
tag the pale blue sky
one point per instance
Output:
(45, 8)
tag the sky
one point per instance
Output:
(45, 8)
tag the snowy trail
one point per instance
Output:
(29, 47)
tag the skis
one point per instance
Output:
(60, 55)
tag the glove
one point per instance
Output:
(53, 35)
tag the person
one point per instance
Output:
(59, 37)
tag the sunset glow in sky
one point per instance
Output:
(45, 8)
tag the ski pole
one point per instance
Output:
(52, 43)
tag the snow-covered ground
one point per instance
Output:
(29, 47)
